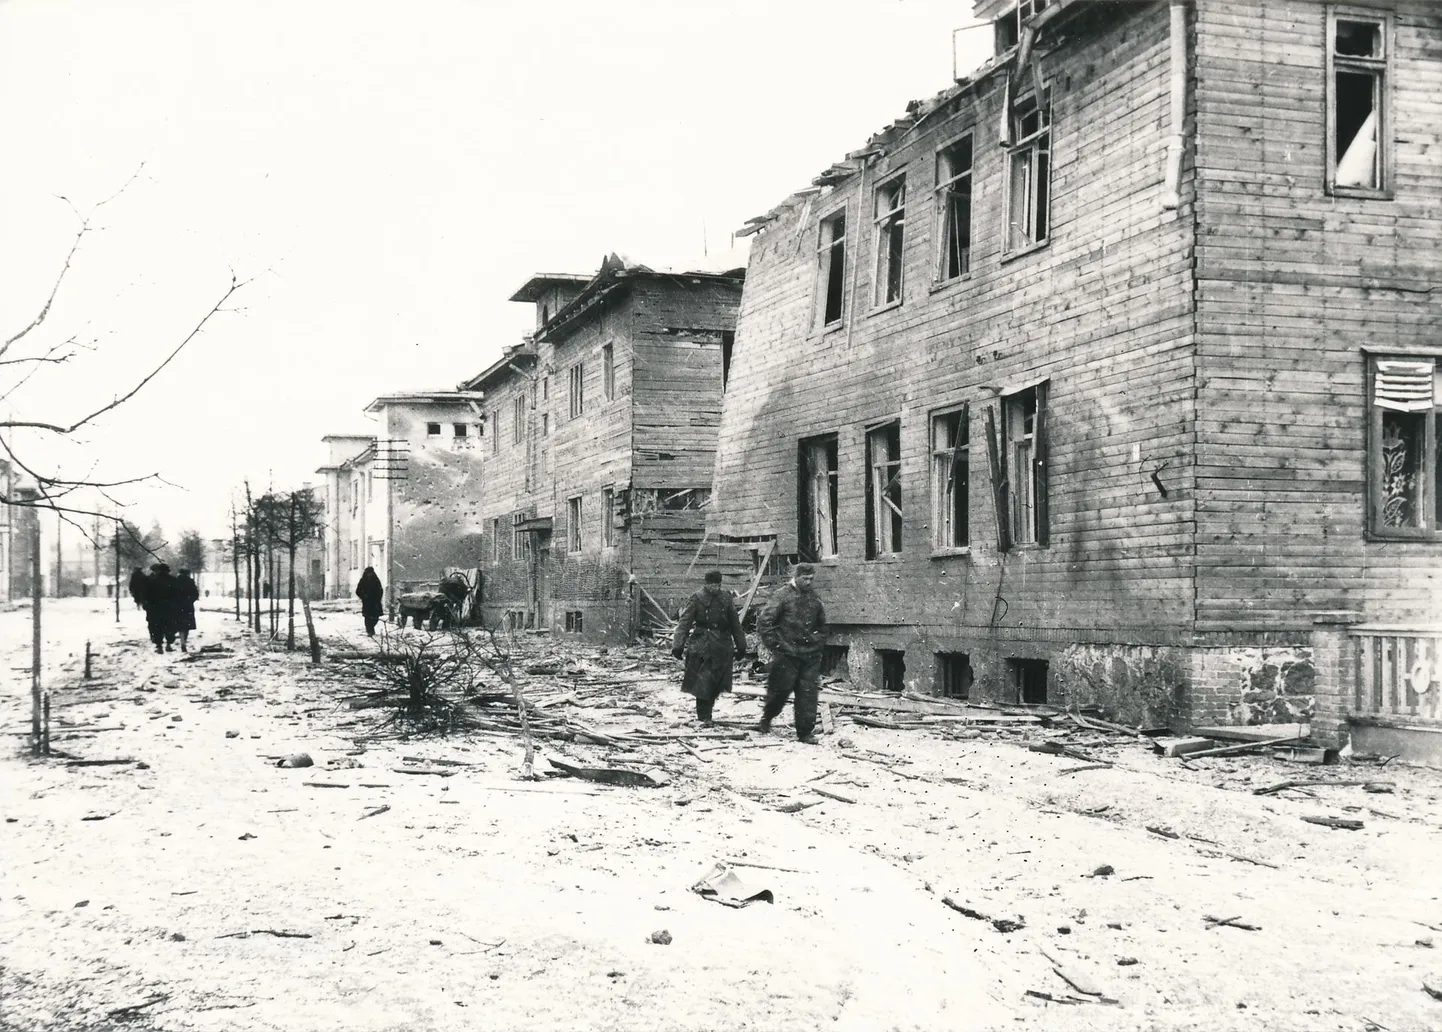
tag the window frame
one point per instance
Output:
(885, 514)
(518, 418)
(1432, 444)
(943, 191)
(943, 503)
(495, 529)
(1002, 449)
(1383, 68)
(433, 429)
(520, 539)
(889, 249)
(496, 431)
(575, 513)
(460, 431)
(1036, 143)
(608, 516)
(828, 264)
(811, 541)
(576, 389)
(608, 372)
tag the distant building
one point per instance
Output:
(601, 441)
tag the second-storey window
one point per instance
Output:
(578, 389)
(608, 517)
(1404, 460)
(496, 432)
(950, 479)
(518, 419)
(608, 372)
(953, 210)
(1357, 130)
(831, 269)
(883, 490)
(890, 239)
(1028, 196)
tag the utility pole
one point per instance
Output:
(36, 563)
(117, 571)
(59, 561)
(95, 555)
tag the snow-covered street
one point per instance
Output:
(210, 889)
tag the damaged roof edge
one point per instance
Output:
(917, 113)
(456, 397)
(523, 352)
(611, 277)
(539, 283)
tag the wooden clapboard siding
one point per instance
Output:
(1291, 285)
(1104, 310)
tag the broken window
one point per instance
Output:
(573, 524)
(608, 517)
(1023, 460)
(893, 670)
(520, 539)
(1027, 679)
(577, 379)
(575, 621)
(645, 500)
(890, 238)
(831, 268)
(883, 490)
(816, 504)
(518, 418)
(1357, 81)
(728, 343)
(953, 210)
(460, 429)
(1404, 459)
(1028, 185)
(950, 479)
(953, 674)
(608, 372)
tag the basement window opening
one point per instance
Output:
(575, 621)
(1027, 678)
(1358, 61)
(890, 239)
(816, 488)
(893, 670)
(954, 675)
(433, 429)
(460, 430)
(883, 491)
(831, 269)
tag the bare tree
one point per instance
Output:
(192, 551)
(297, 517)
(31, 349)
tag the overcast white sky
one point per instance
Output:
(391, 173)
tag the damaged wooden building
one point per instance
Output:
(600, 448)
(1109, 375)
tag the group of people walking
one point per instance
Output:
(792, 625)
(169, 604)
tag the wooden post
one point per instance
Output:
(87, 659)
(117, 571)
(35, 703)
(310, 629)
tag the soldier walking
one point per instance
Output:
(708, 629)
(793, 627)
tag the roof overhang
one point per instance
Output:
(535, 525)
(425, 398)
(541, 282)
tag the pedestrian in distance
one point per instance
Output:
(160, 607)
(709, 636)
(370, 591)
(137, 587)
(186, 595)
(793, 627)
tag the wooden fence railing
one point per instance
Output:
(1399, 672)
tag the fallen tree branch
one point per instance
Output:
(130, 1010)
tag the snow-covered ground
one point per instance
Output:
(480, 900)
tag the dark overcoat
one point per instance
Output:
(709, 630)
(370, 591)
(186, 595)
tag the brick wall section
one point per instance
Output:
(1334, 657)
(1292, 283)
(1104, 311)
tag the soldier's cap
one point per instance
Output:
(158, 567)
(713, 576)
(802, 568)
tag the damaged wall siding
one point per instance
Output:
(436, 507)
(1103, 310)
(658, 428)
(1292, 283)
